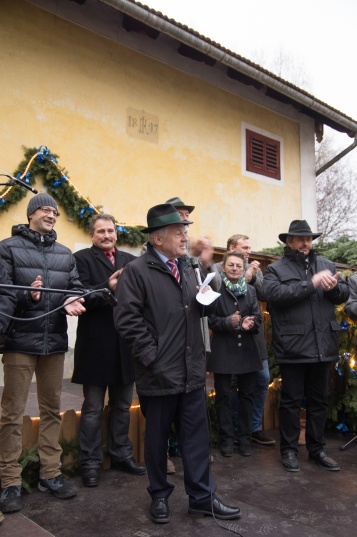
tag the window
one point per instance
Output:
(263, 155)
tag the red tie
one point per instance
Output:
(173, 267)
(111, 257)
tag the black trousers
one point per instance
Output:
(222, 385)
(298, 380)
(188, 411)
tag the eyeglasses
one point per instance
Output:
(48, 210)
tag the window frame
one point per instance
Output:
(263, 155)
(260, 175)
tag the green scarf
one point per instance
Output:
(239, 288)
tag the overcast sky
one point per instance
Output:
(318, 35)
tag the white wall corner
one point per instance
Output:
(308, 171)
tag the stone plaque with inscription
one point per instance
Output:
(140, 124)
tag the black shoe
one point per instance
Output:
(129, 466)
(90, 477)
(10, 499)
(227, 451)
(159, 510)
(244, 450)
(289, 461)
(323, 460)
(220, 510)
(260, 438)
(59, 486)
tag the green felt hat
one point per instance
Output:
(179, 204)
(162, 215)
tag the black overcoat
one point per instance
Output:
(234, 350)
(161, 323)
(101, 357)
(305, 329)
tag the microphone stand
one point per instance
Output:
(105, 291)
(17, 182)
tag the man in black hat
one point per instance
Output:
(32, 256)
(302, 290)
(159, 317)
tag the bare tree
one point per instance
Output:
(285, 65)
(336, 188)
(336, 194)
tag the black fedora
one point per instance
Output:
(161, 216)
(179, 204)
(299, 228)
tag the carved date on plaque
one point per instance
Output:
(140, 124)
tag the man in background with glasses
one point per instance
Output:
(33, 257)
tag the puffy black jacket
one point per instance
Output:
(303, 318)
(28, 254)
(7, 299)
(161, 324)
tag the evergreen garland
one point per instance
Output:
(41, 162)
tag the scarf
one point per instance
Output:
(239, 288)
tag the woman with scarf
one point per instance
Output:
(234, 352)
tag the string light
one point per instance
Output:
(41, 155)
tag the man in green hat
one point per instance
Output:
(159, 317)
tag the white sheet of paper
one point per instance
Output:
(209, 296)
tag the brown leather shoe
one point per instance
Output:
(170, 466)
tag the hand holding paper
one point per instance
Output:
(209, 296)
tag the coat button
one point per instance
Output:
(239, 335)
(239, 344)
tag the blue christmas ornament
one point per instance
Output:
(42, 153)
(342, 427)
(344, 325)
(85, 209)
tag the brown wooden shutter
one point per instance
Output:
(263, 155)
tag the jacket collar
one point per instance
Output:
(24, 230)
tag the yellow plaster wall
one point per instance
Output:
(69, 89)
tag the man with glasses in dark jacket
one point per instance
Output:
(33, 257)
(7, 301)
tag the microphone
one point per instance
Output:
(25, 185)
(109, 297)
(20, 183)
(196, 268)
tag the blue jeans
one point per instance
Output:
(90, 426)
(262, 379)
